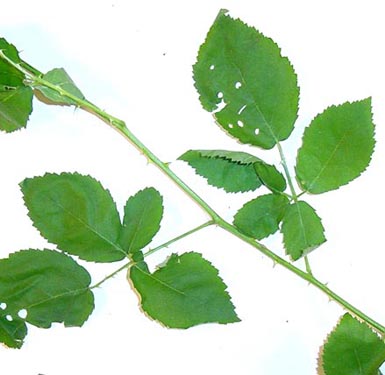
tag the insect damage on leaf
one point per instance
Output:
(242, 78)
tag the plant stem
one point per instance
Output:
(293, 193)
(287, 173)
(152, 251)
(168, 243)
(36, 80)
(304, 275)
(111, 275)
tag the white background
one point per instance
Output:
(134, 60)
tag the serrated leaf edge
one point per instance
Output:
(164, 264)
(320, 364)
(369, 98)
(60, 174)
(217, 108)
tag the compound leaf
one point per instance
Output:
(59, 77)
(352, 348)
(142, 216)
(261, 216)
(302, 230)
(76, 213)
(185, 292)
(15, 97)
(230, 170)
(241, 77)
(41, 287)
(337, 147)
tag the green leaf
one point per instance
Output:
(232, 171)
(337, 147)
(142, 216)
(302, 230)
(12, 333)
(270, 176)
(59, 77)
(76, 213)
(352, 349)
(185, 292)
(15, 97)
(242, 77)
(261, 217)
(44, 285)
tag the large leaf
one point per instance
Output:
(76, 213)
(337, 147)
(302, 230)
(185, 292)
(41, 287)
(261, 217)
(15, 97)
(242, 77)
(352, 349)
(142, 215)
(230, 170)
(60, 78)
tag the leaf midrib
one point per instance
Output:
(166, 285)
(85, 224)
(328, 161)
(269, 127)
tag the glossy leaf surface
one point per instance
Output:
(48, 286)
(76, 213)
(15, 97)
(242, 78)
(59, 77)
(142, 215)
(185, 292)
(261, 217)
(302, 230)
(352, 349)
(337, 147)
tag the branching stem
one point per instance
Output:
(152, 251)
(36, 79)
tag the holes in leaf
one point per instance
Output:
(241, 109)
(9, 318)
(220, 95)
(231, 126)
(256, 131)
(22, 313)
(240, 123)
(238, 85)
(3, 306)
(212, 67)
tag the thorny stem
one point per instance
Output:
(35, 79)
(152, 251)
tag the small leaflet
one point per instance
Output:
(230, 170)
(302, 230)
(142, 216)
(261, 216)
(60, 78)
